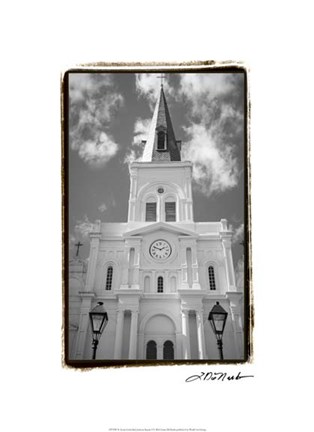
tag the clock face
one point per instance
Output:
(160, 249)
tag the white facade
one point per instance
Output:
(157, 295)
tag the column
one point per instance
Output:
(160, 349)
(131, 265)
(189, 201)
(135, 202)
(131, 214)
(226, 242)
(133, 336)
(190, 210)
(153, 286)
(141, 346)
(132, 197)
(200, 335)
(160, 216)
(178, 350)
(184, 265)
(182, 215)
(167, 282)
(125, 270)
(136, 268)
(186, 335)
(132, 178)
(189, 266)
(195, 278)
(119, 335)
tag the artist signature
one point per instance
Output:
(218, 376)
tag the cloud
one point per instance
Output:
(93, 102)
(98, 153)
(238, 234)
(134, 155)
(214, 167)
(212, 98)
(83, 227)
(212, 84)
(71, 241)
(141, 130)
(148, 86)
(81, 85)
(214, 110)
(103, 207)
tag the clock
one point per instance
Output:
(160, 249)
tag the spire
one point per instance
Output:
(161, 144)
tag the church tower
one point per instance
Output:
(160, 274)
(161, 184)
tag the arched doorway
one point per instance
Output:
(168, 350)
(151, 350)
(159, 338)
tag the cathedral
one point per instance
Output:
(160, 274)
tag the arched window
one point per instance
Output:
(168, 351)
(151, 350)
(170, 210)
(151, 210)
(161, 140)
(160, 284)
(109, 278)
(131, 257)
(211, 277)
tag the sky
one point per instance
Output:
(109, 116)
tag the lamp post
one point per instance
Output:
(99, 319)
(217, 318)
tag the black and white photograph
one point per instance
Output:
(157, 159)
(156, 208)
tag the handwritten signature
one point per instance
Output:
(218, 376)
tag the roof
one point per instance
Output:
(161, 121)
(155, 226)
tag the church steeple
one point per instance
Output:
(161, 144)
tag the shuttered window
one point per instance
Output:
(160, 284)
(170, 209)
(109, 278)
(211, 277)
(151, 212)
(161, 141)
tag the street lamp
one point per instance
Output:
(99, 319)
(217, 318)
